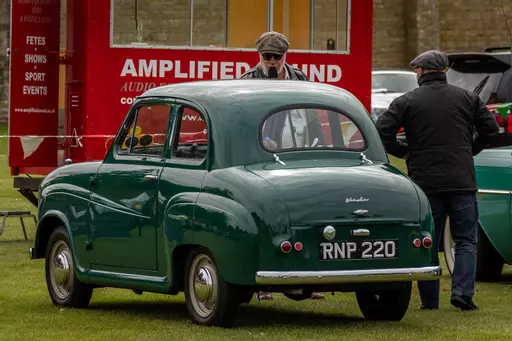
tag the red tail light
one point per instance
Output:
(416, 242)
(298, 246)
(427, 242)
(286, 247)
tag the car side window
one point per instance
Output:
(191, 137)
(148, 128)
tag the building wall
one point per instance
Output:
(404, 28)
(474, 24)
(401, 28)
(389, 34)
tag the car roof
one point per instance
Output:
(250, 100)
(241, 89)
(237, 108)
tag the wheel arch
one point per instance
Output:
(47, 224)
(179, 262)
(491, 238)
(229, 230)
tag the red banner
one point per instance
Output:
(103, 80)
(34, 83)
(115, 75)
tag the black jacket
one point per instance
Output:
(440, 121)
(257, 72)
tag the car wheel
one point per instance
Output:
(209, 299)
(63, 286)
(489, 261)
(448, 247)
(389, 305)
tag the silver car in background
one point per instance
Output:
(387, 85)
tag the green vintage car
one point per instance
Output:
(494, 176)
(220, 189)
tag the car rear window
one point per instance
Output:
(309, 128)
(481, 74)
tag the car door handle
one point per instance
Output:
(150, 177)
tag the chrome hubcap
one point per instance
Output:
(61, 267)
(203, 286)
(203, 278)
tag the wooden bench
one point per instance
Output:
(17, 214)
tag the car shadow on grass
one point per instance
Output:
(506, 278)
(252, 315)
(256, 316)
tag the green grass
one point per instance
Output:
(26, 312)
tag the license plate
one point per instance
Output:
(359, 249)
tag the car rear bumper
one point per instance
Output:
(347, 276)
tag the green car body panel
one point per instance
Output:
(494, 176)
(239, 203)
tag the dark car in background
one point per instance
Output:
(487, 73)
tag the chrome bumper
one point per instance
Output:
(347, 276)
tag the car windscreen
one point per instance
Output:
(479, 74)
(301, 128)
(394, 82)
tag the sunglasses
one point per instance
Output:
(269, 56)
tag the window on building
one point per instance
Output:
(309, 24)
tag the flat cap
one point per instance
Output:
(272, 42)
(431, 60)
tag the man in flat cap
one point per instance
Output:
(440, 121)
(272, 48)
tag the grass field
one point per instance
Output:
(26, 312)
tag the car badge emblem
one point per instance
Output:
(360, 199)
(329, 232)
(360, 233)
(360, 212)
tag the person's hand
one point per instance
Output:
(315, 141)
(269, 143)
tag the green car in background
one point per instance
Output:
(494, 177)
(221, 189)
(489, 74)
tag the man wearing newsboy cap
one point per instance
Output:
(445, 126)
(272, 48)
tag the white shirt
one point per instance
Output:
(299, 122)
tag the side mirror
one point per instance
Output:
(67, 161)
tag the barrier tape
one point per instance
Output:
(78, 137)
